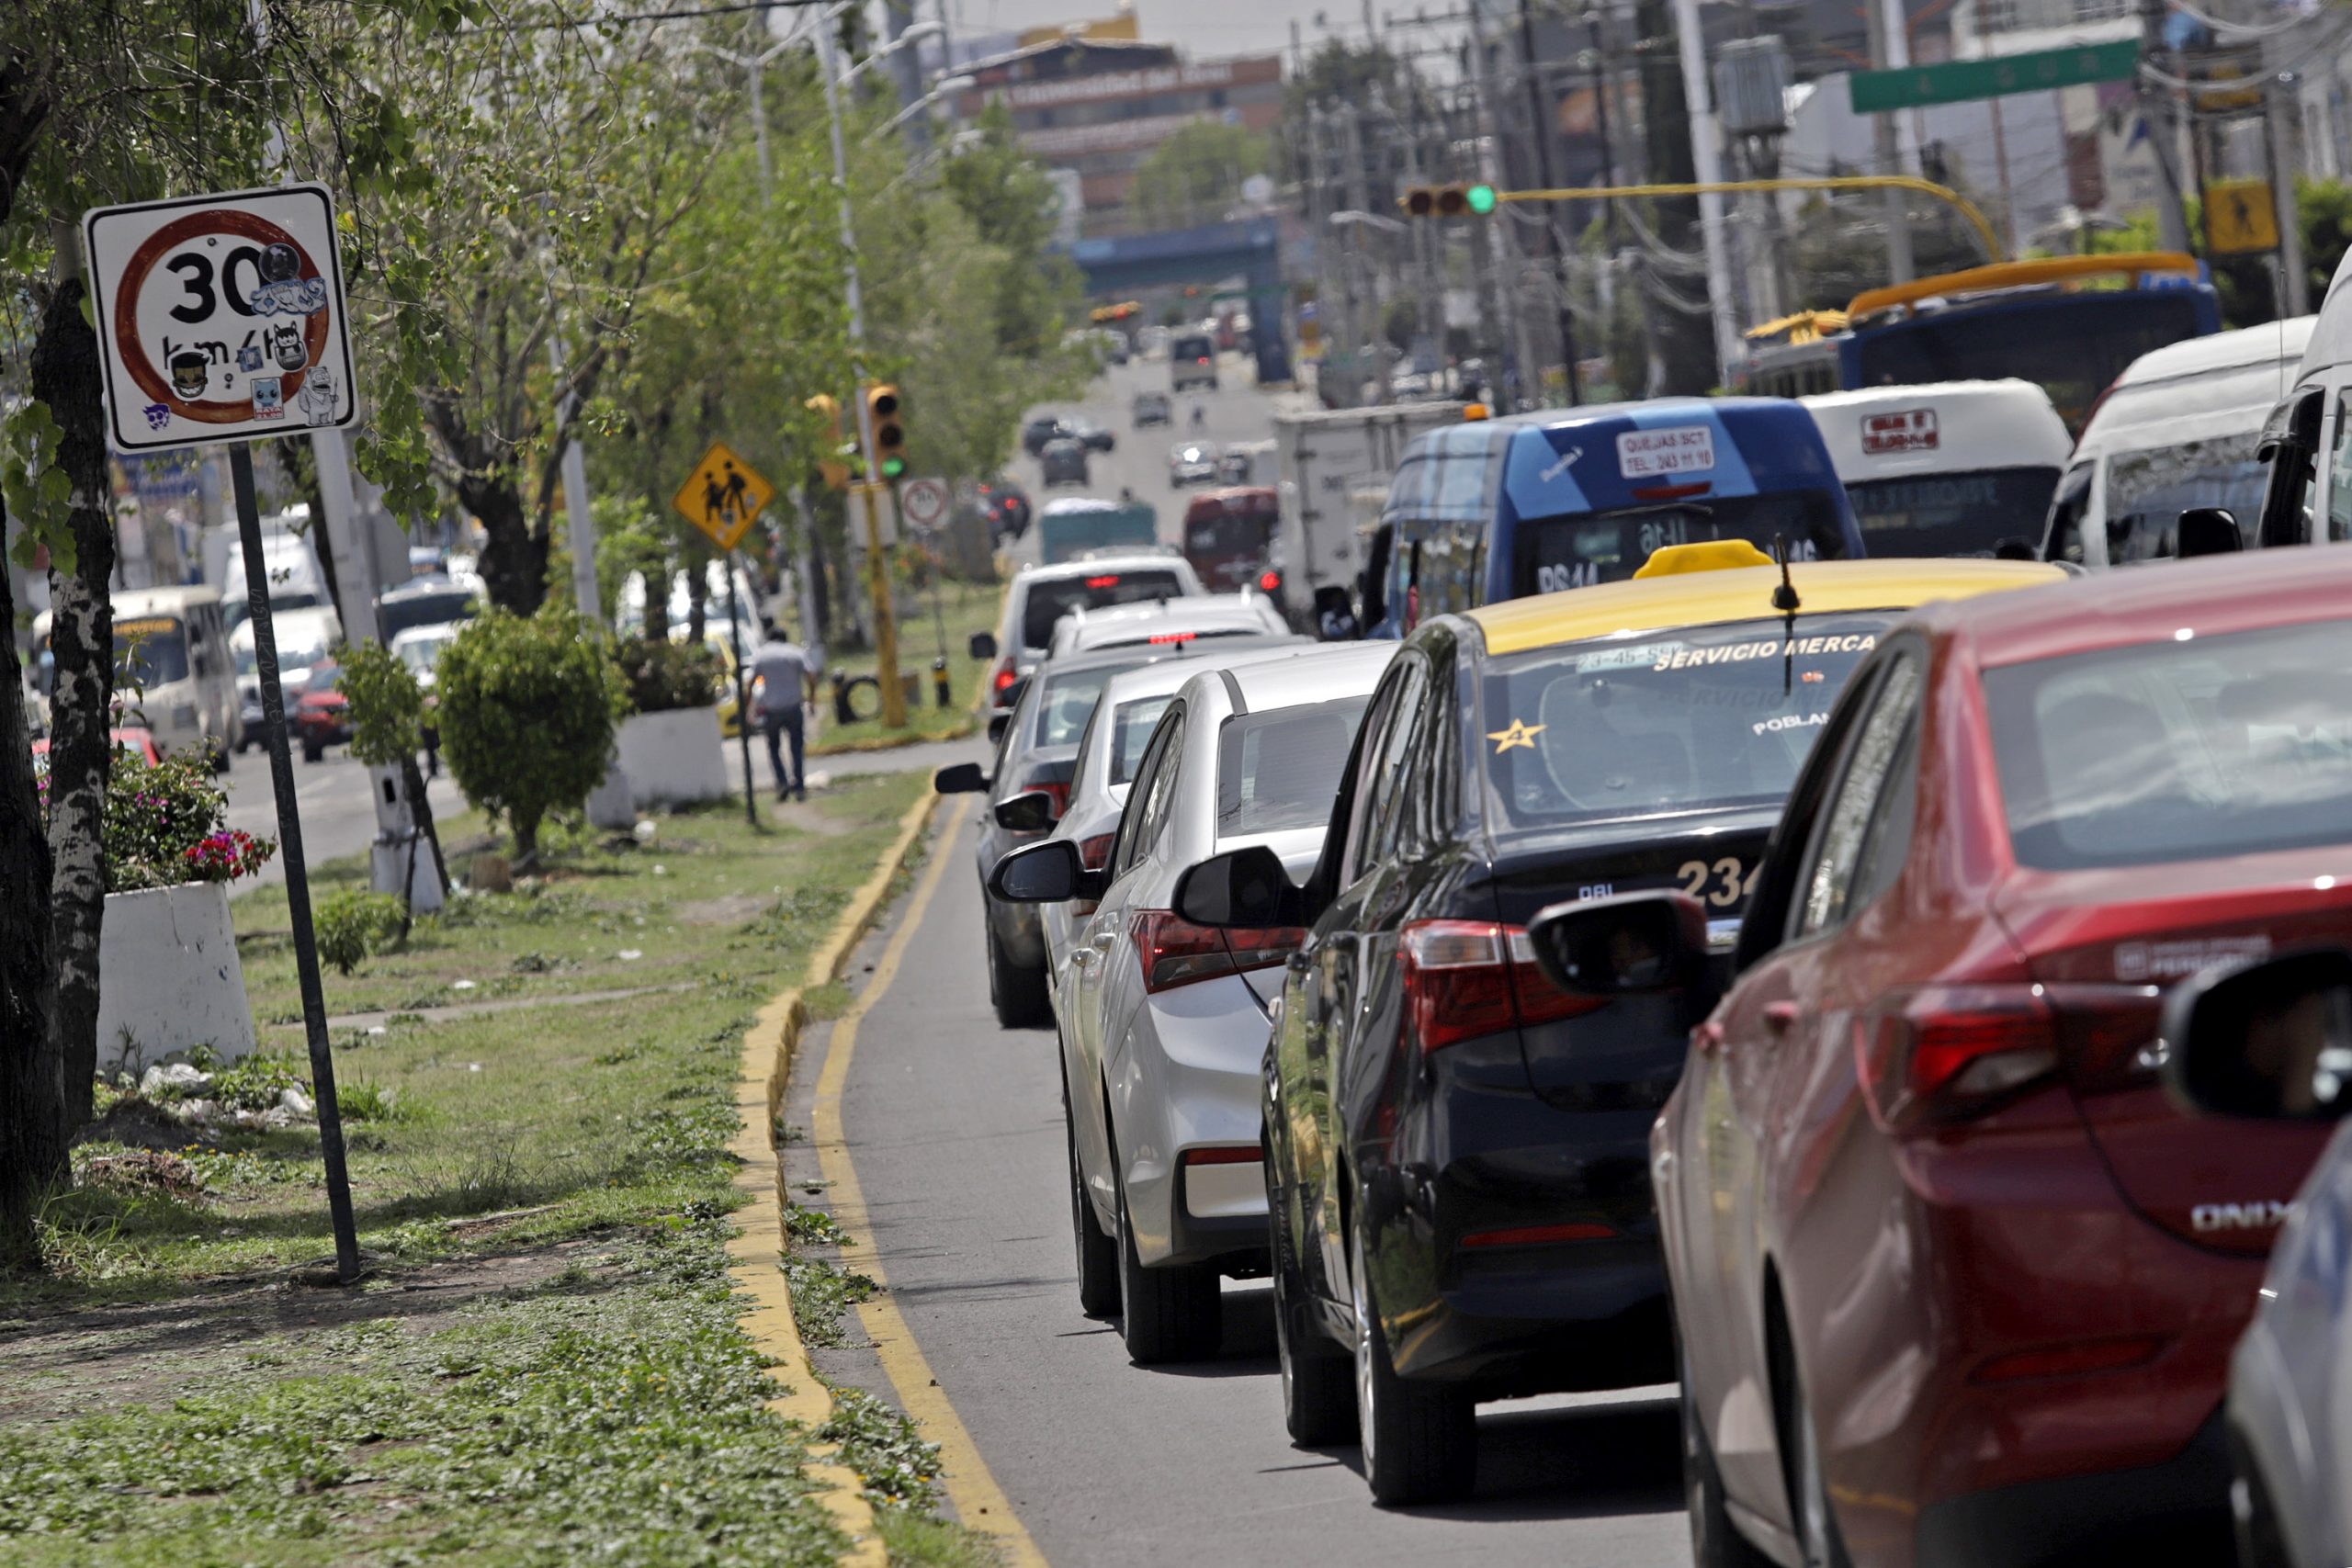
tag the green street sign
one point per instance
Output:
(1963, 81)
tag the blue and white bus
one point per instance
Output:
(1534, 504)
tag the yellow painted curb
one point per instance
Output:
(758, 1246)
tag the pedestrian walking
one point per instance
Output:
(784, 674)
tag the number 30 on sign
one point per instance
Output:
(220, 318)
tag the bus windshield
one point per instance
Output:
(1580, 548)
(150, 651)
(2072, 346)
(1953, 515)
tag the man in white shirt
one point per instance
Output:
(783, 675)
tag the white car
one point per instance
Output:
(420, 648)
(1204, 617)
(1164, 1023)
(1042, 596)
(1192, 463)
(304, 637)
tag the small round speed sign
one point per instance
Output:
(220, 318)
(925, 503)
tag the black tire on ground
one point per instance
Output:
(313, 752)
(1319, 1379)
(1714, 1541)
(1173, 1312)
(1018, 994)
(1420, 1440)
(1098, 1254)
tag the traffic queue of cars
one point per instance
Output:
(1674, 960)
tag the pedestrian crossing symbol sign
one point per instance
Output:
(2240, 217)
(723, 495)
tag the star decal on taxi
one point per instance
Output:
(1521, 733)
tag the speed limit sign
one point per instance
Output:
(924, 501)
(220, 318)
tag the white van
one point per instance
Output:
(2180, 428)
(172, 671)
(1948, 469)
(2307, 440)
(297, 581)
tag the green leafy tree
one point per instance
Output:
(527, 717)
(1196, 175)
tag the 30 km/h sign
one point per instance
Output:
(924, 502)
(220, 318)
(722, 495)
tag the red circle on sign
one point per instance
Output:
(216, 221)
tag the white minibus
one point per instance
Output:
(1948, 469)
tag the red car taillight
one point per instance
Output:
(1005, 674)
(1946, 1053)
(1094, 853)
(1269, 583)
(1174, 952)
(1466, 978)
(1057, 789)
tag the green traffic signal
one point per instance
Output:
(1481, 199)
(894, 467)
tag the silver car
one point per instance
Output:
(1164, 1023)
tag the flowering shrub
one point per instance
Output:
(164, 827)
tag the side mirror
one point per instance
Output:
(1050, 872)
(1031, 811)
(2269, 1038)
(1633, 944)
(963, 778)
(2207, 531)
(1245, 888)
(997, 722)
(983, 644)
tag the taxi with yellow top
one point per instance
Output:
(1455, 1149)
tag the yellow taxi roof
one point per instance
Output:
(1744, 593)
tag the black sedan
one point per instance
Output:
(1045, 427)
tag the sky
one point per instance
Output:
(1206, 28)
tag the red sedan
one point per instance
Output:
(319, 715)
(1956, 1283)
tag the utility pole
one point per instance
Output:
(2283, 121)
(1502, 239)
(1539, 126)
(1889, 46)
(2163, 134)
(1707, 160)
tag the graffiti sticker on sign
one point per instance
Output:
(215, 313)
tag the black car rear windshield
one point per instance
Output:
(1705, 717)
(2177, 751)
(1279, 768)
(1578, 549)
(1953, 515)
(1049, 602)
(1195, 347)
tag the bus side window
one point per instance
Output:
(2063, 539)
(2340, 477)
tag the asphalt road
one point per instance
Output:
(956, 1132)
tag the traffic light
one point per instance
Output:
(1447, 201)
(889, 430)
(833, 464)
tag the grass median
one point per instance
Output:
(964, 608)
(544, 1366)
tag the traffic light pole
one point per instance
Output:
(885, 627)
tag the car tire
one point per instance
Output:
(1098, 1254)
(1420, 1440)
(314, 752)
(1319, 1379)
(1017, 994)
(1715, 1542)
(1174, 1312)
(1820, 1544)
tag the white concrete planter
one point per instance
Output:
(674, 758)
(169, 977)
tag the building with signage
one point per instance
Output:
(1098, 106)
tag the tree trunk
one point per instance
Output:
(32, 1089)
(81, 750)
(514, 563)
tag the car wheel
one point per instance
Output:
(314, 752)
(1098, 1255)
(1420, 1440)
(1174, 1312)
(1319, 1379)
(1017, 993)
(1819, 1543)
(1714, 1543)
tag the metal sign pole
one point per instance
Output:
(298, 876)
(742, 696)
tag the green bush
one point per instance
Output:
(660, 676)
(527, 717)
(162, 827)
(352, 924)
(387, 708)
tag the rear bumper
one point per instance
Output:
(2177, 1509)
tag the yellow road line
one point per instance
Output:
(757, 1247)
(979, 1502)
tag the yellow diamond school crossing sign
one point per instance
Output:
(722, 495)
